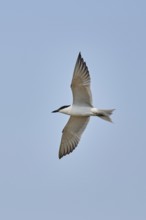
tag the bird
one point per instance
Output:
(80, 110)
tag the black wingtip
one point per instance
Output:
(80, 54)
(60, 156)
(79, 57)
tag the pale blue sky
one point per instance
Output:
(105, 177)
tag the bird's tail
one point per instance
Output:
(104, 114)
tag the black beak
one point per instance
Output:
(55, 111)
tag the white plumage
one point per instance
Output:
(81, 109)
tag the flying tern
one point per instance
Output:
(81, 109)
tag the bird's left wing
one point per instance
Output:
(71, 134)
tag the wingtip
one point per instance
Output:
(80, 54)
(60, 157)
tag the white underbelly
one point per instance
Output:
(81, 111)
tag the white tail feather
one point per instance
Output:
(104, 114)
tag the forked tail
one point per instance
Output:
(104, 114)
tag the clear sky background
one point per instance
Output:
(105, 177)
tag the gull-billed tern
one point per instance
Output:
(81, 109)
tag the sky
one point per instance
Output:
(105, 177)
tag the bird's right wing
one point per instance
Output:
(80, 84)
(71, 134)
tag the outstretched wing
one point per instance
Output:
(71, 134)
(81, 84)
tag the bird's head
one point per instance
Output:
(61, 108)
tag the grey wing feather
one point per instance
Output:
(81, 84)
(71, 134)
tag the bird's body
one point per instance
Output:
(81, 109)
(75, 110)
